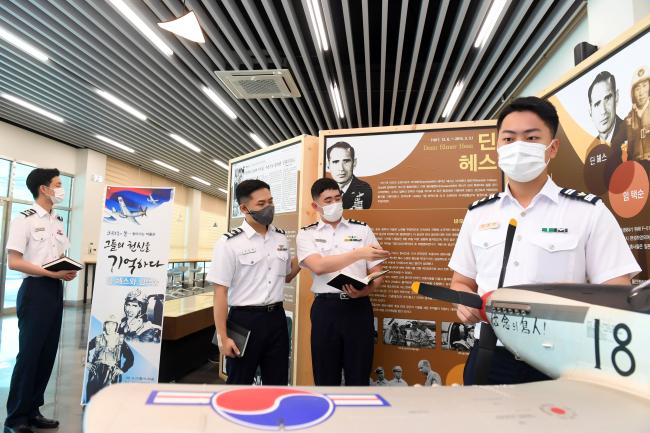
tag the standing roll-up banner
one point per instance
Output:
(412, 186)
(125, 330)
(604, 110)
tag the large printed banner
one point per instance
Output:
(127, 311)
(605, 139)
(413, 189)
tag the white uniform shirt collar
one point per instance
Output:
(42, 212)
(549, 190)
(249, 231)
(322, 223)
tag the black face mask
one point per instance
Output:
(264, 216)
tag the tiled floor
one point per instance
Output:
(64, 390)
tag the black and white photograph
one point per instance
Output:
(457, 336)
(142, 319)
(341, 160)
(410, 333)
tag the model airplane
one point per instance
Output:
(152, 200)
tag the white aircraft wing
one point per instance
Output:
(559, 406)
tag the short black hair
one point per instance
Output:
(543, 108)
(38, 177)
(340, 145)
(248, 187)
(323, 184)
(601, 78)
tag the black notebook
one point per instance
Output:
(357, 282)
(63, 264)
(239, 335)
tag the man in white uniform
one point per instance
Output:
(562, 235)
(250, 267)
(36, 237)
(342, 328)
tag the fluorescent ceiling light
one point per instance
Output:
(336, 97)
(223, 191)
(22, 45)
(317, 23)
(115, 143)
(453, 99)
(198, 179)
(258, 140)
(186, 27)
(32, 107)
(185, 143)
(123, 105)
(220, 102)
(221, 164)
(142, 27)
(489, 23)
(163, 164)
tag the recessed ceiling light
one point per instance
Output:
(114, 143)
(258, 140)
(142, 27)
(489, 23)
(221, 164)
(23, 45)
(336, 97)
(32, 107)
(123, 105)
(198, 179)
(452, 99)
(164, 164)
(184, 142)
(186, 27)
(219, 102)
(223, 190)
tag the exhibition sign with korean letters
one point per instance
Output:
(125, 331)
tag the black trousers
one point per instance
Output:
(505, 368)
(342, 338)
(39, 307)
(268, 348)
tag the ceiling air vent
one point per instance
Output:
(270, 83)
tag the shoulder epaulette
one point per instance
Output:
(232, 233)
(485, 200)
(361, 223)
(282, 232)
(28, 212)
(309, 226)
(578, 195)
(59, 217)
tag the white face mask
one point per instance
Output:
(59, 195)
(522, 161)
(332, 212)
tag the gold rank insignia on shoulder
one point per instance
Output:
(579, 195)
(555, 230)
(282, 232)
(361, 223)
(489, 226)
(28, 212)
(485, 200)
(309, 226)
(231, 234)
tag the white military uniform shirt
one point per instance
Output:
(320, 238)
(38, 235)
(559, 239)
(252, 266)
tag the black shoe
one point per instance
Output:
(22, 428)
(39, 421)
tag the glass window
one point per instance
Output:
(20, 176)
(14, 278)
(5, 170)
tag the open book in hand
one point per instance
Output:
(239, 335)
(355, 281)
(63, 264)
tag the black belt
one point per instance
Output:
(262, 308)
(339, 296)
